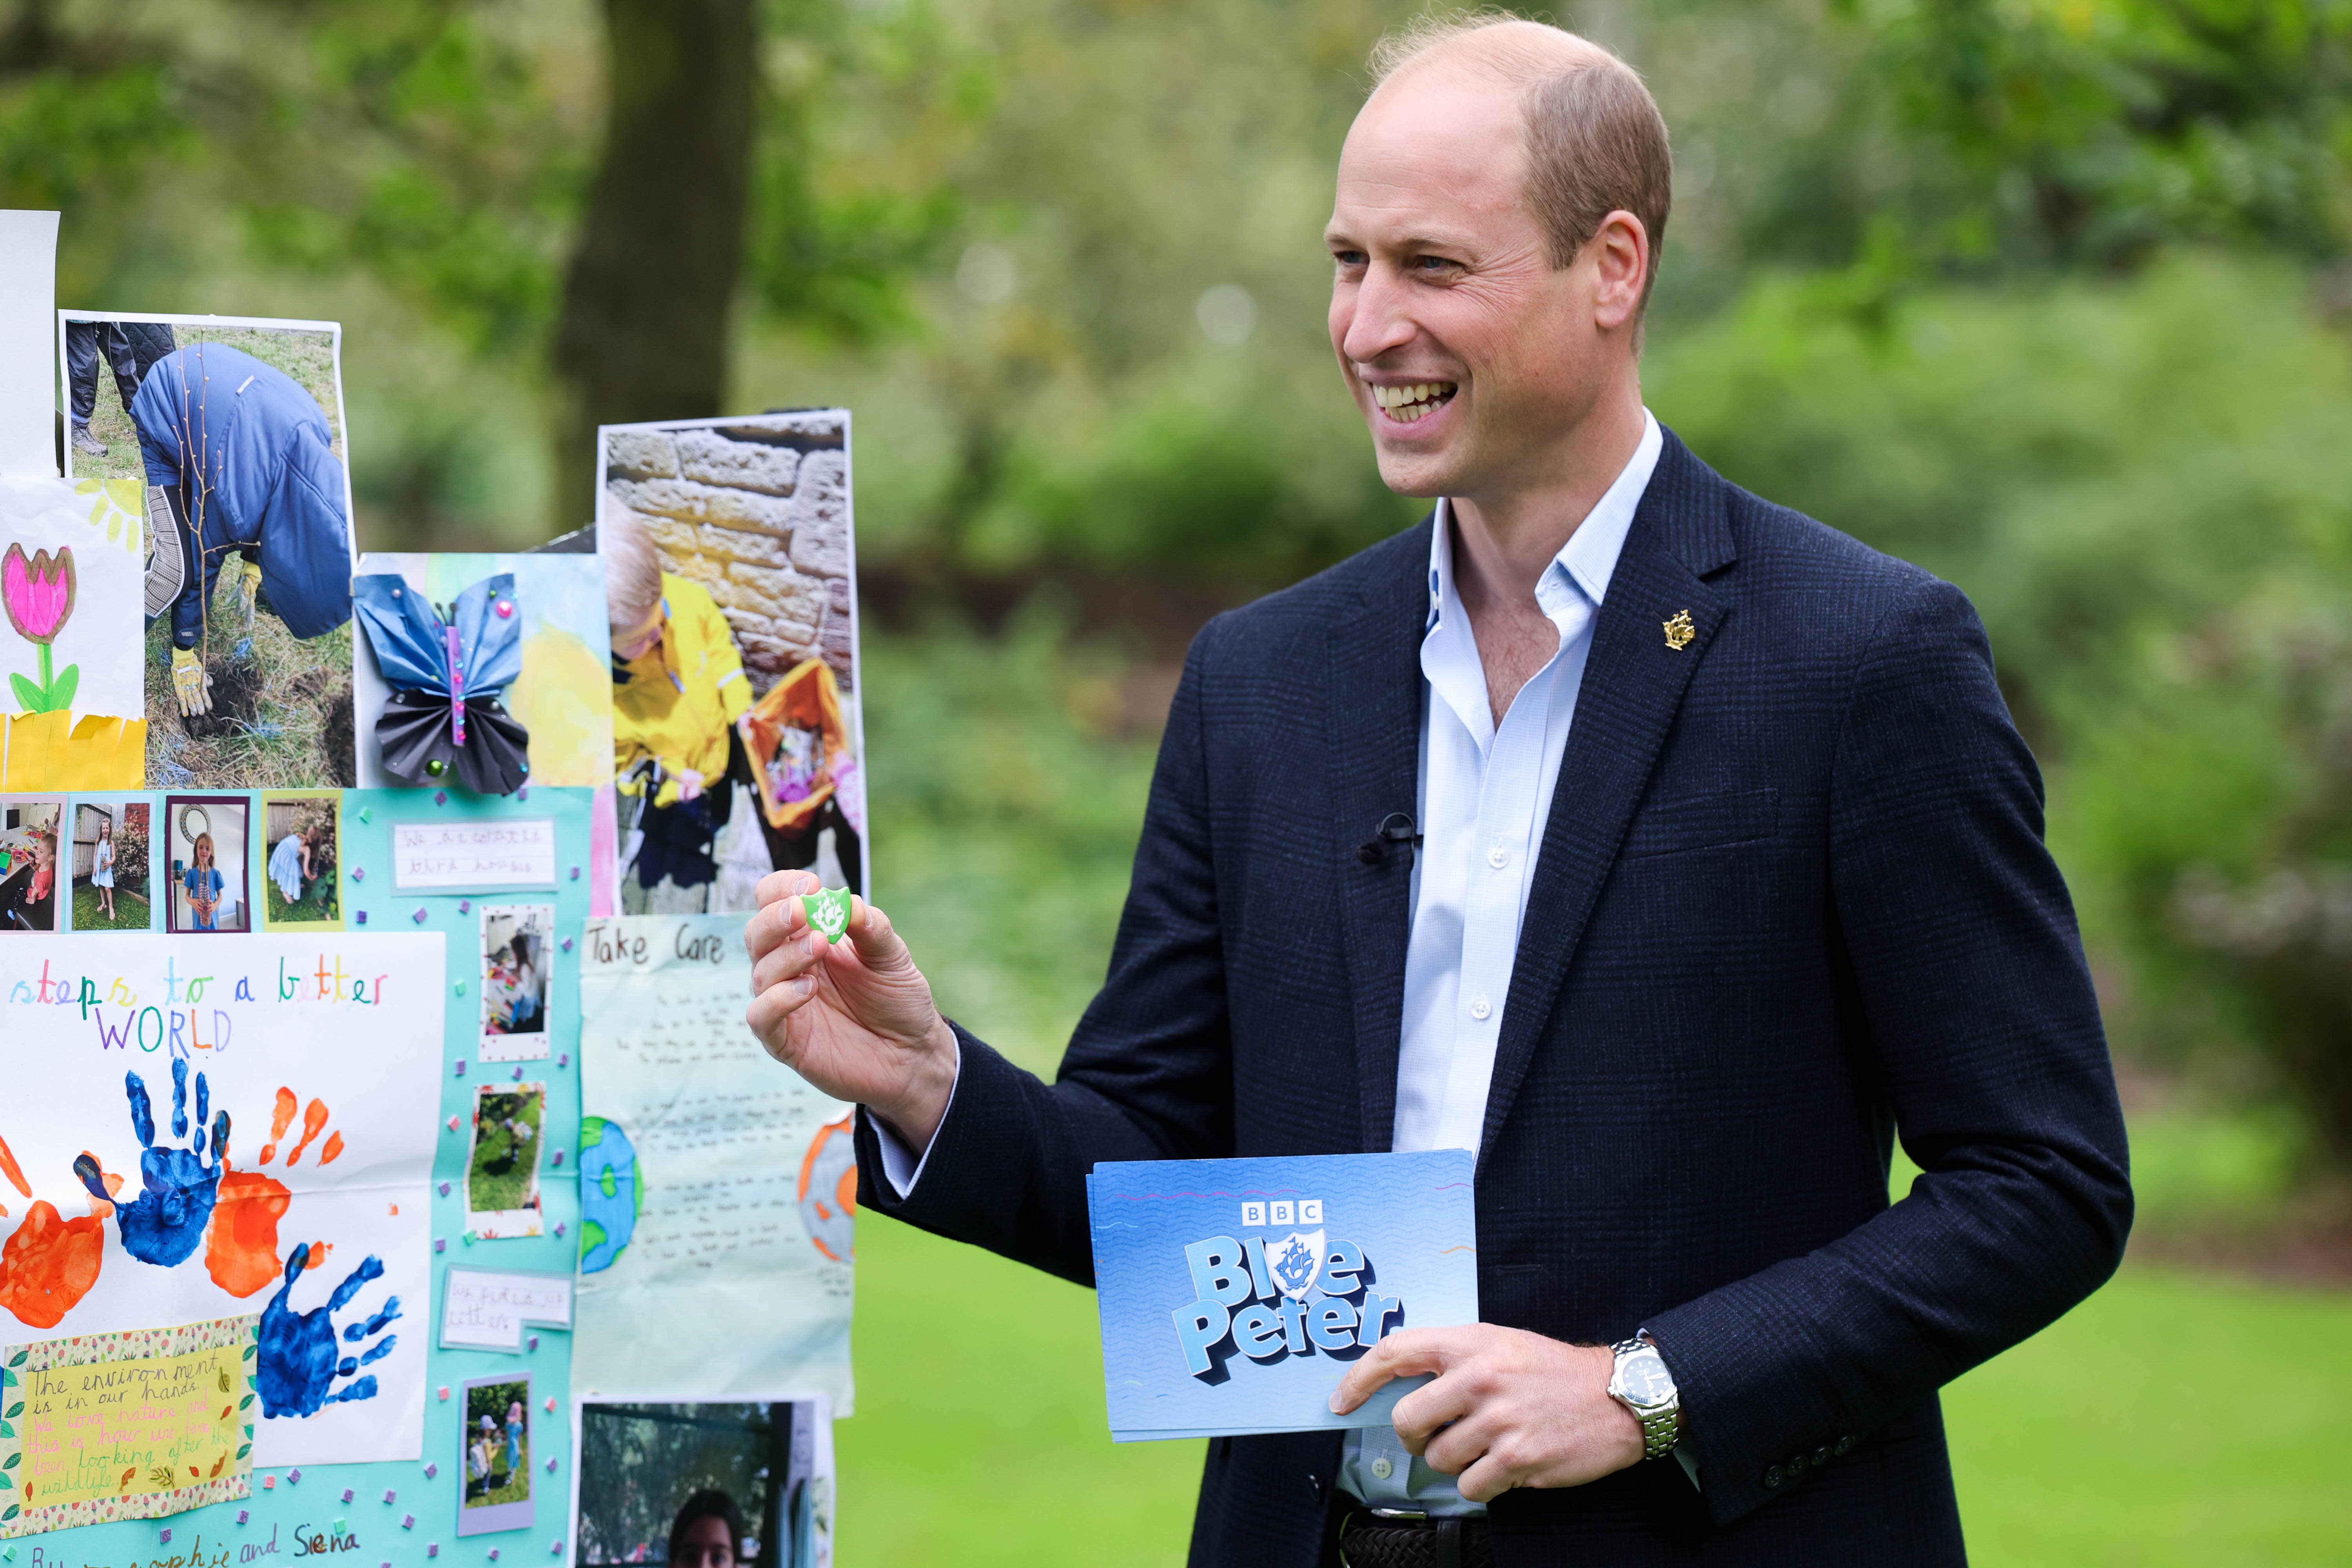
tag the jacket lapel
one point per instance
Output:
(1373, 722)
(1633, 682)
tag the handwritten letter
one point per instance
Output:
(716, 1184)
(503, 852)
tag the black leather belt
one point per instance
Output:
(1386, 1541)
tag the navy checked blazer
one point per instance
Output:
(1793, 900)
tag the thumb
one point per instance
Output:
(878, 945)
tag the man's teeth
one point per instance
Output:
(1407, 404)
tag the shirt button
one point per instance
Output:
(1382, 1469)
(1498, 857)
(1480, 1009)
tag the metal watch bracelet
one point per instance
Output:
(1660, 1425)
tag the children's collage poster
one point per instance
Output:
(281, 1272)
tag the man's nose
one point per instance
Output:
(1378, 321)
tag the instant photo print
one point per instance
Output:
(517, 949)
(502, 1173)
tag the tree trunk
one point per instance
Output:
(652, 283)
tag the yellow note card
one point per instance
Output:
(126, 1426)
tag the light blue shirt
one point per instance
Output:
(1484, 793)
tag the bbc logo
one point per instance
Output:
(1305, 1211)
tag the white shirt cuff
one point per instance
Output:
(899, 1163)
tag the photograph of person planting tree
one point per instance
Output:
(237, 435)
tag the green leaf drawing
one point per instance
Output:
(19, 1360)
(28, 696)
(15, 1410)
(242, 1452)
(61, 694)
(6, 1430)
(10, 1462)
(245, 1401)
(5, 1517)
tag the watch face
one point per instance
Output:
(1644, 1378)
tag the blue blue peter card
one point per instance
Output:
(1236, 1293)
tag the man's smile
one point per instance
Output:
(1413, 401)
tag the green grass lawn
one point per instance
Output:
(318, 902)
(131, 912)
(490, 1190)
(2126, 1434)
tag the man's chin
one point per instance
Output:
(1427, 475)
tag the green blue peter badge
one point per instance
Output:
(827, 911)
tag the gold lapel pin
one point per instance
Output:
(1679, 631)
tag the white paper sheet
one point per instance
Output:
(488, 1311)
(92, 655)
(29, 290)
(728, 1182)
(328, 1017)
(452, 857)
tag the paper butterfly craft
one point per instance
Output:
(444, 718)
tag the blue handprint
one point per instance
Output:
(166, 1222)
(297, 1364)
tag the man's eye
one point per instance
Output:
(1348, 258)
(1432, 264)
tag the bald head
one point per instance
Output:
(1594, 140)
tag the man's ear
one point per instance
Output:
(1620, 250)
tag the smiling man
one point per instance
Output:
(1670, 850)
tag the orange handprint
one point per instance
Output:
(50, 1262)
(241, 1254)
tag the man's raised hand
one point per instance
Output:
(855, 1017)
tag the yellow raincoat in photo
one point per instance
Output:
(683, 695)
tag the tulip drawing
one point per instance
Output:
(39, 592)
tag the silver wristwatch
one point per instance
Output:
(1641, 1383)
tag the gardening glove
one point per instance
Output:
(248, 586)
(191, 683)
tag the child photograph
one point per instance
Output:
(299, 888)
(502, 1174)
(30, 896)
(706, 1485)
(730, 565)
(110, 865)
(497, 1460)
(514, 981)
(207, 863)
(229, 433)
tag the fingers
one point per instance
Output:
(871, 933)
(86, 1170)
(143, 1109)
(1485, 1479)
(768, 1013)
(778, 886)
(370, 1267)
(789, 960)
(1434, 1407)
(777, 919)
(1405, 1353)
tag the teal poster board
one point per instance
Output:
(502, 881)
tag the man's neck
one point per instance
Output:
(1504, 541)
